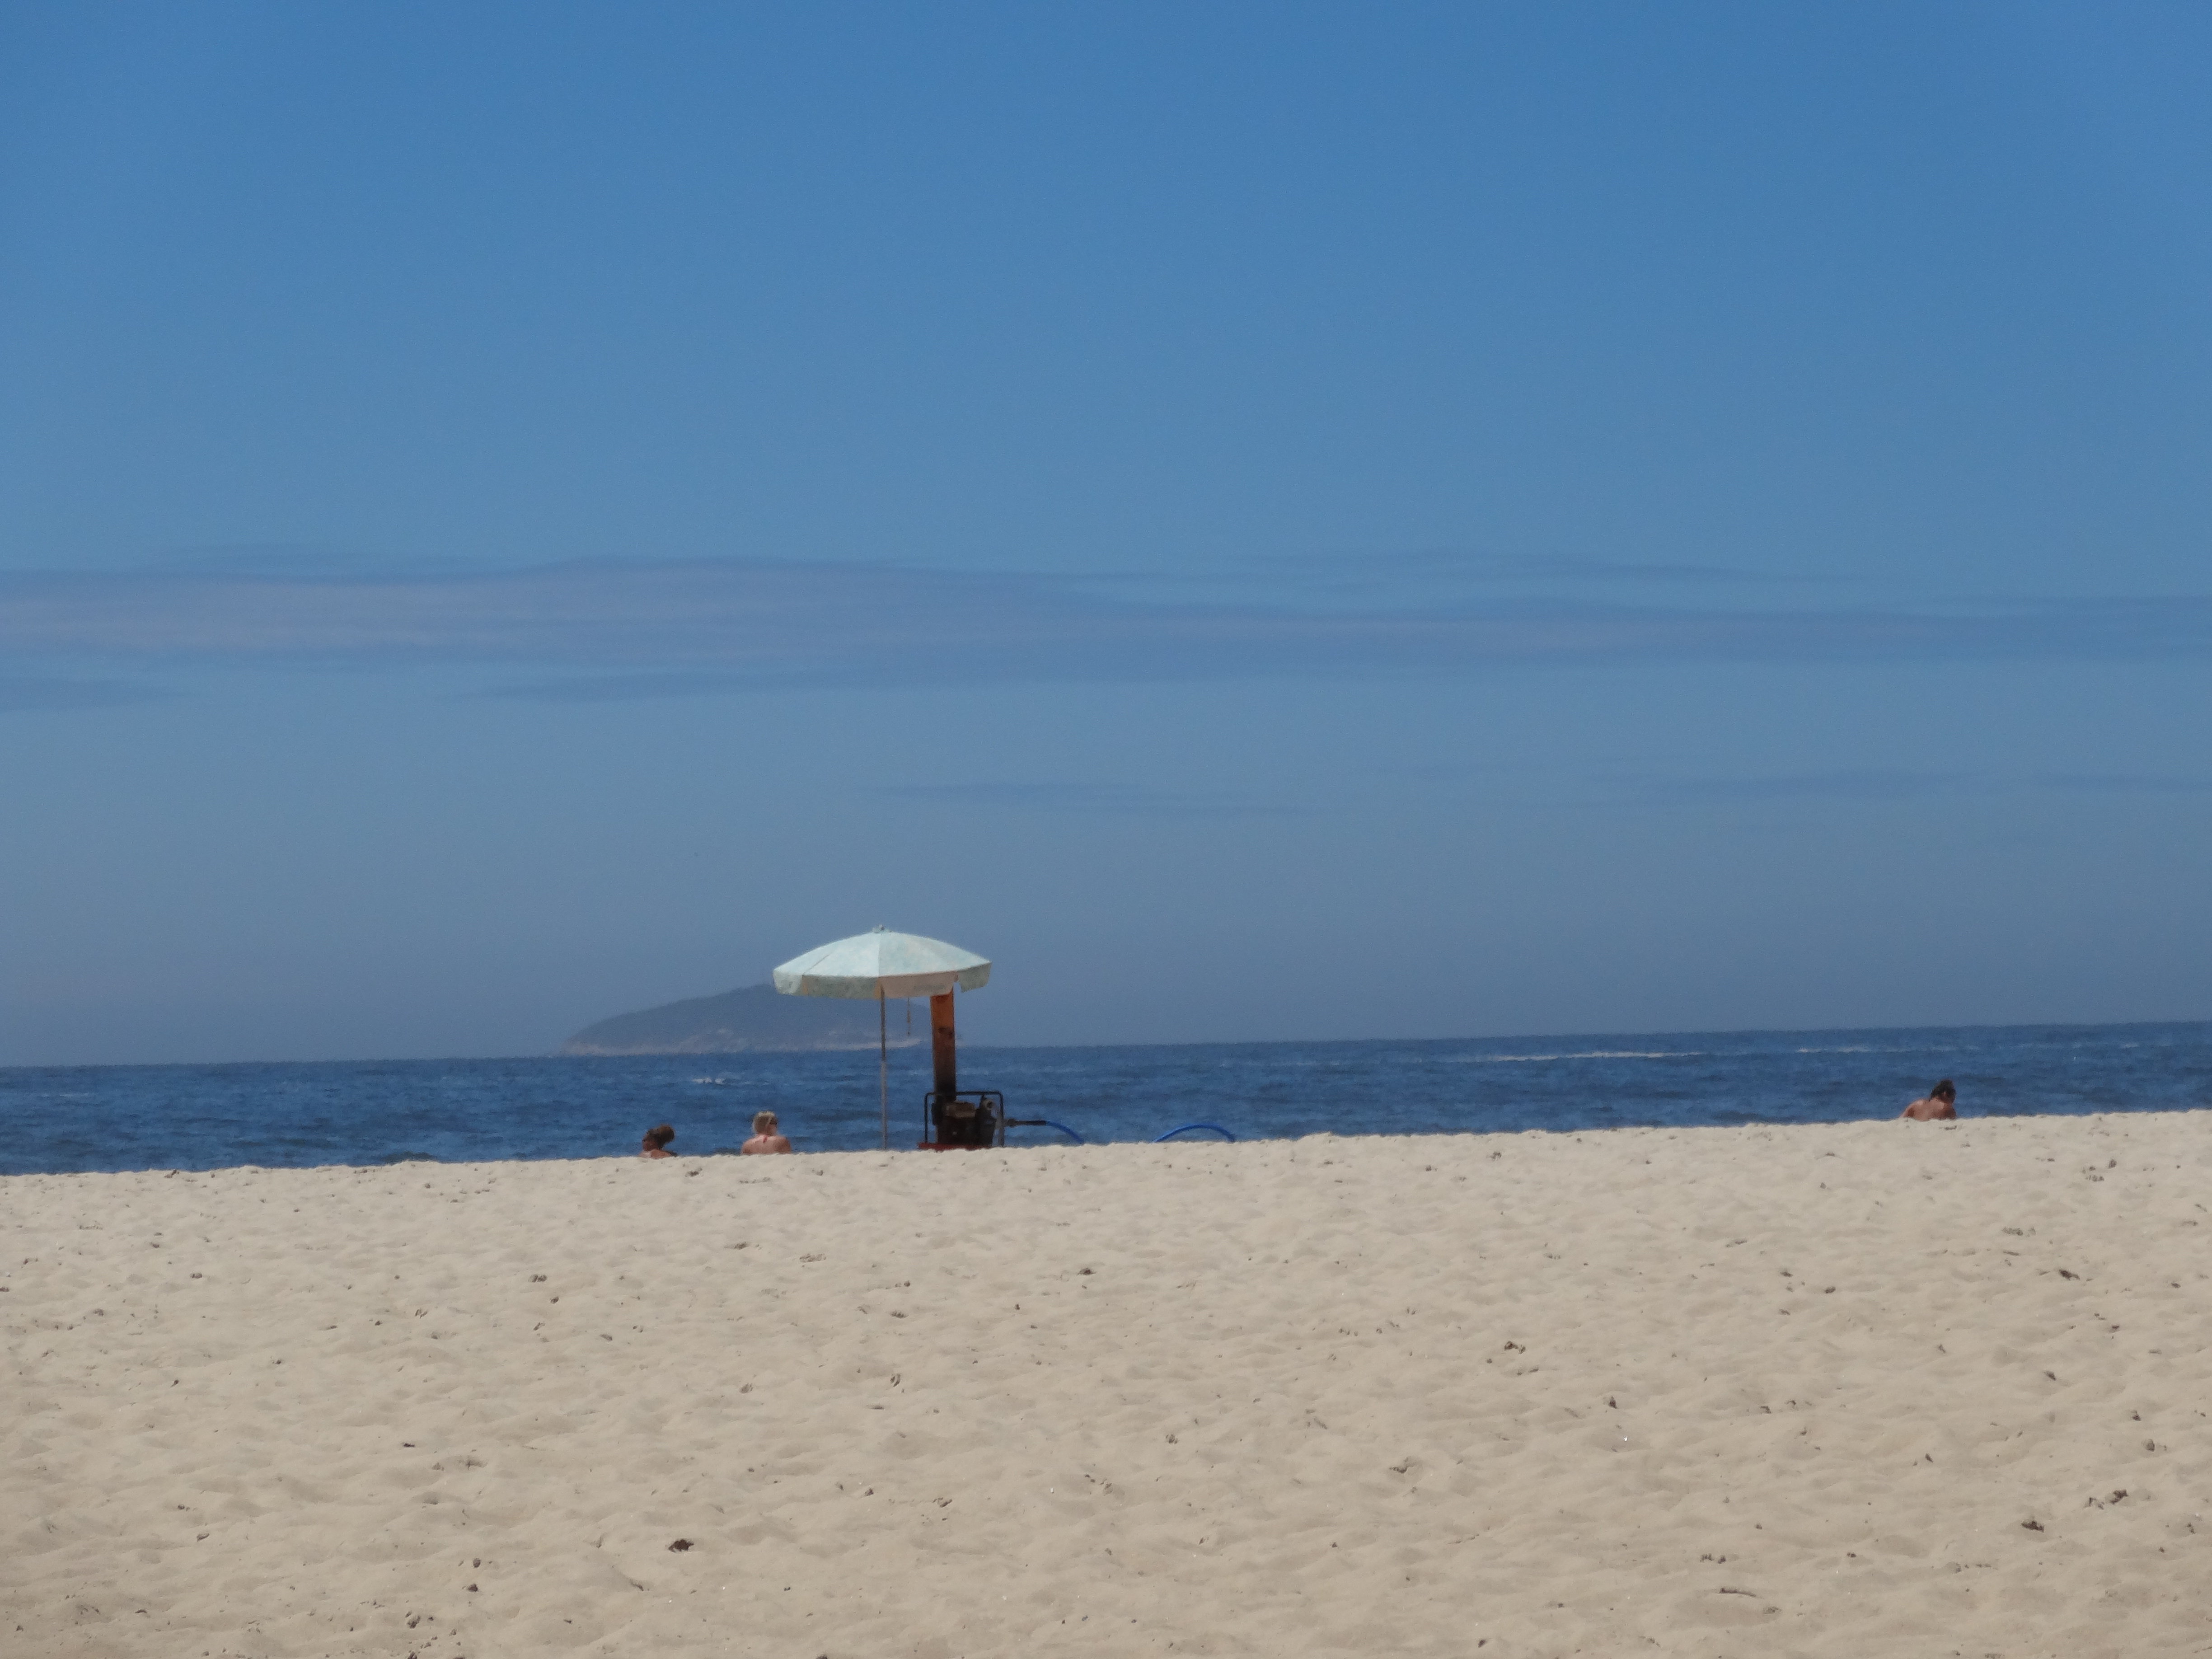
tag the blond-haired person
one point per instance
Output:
(766, 1138)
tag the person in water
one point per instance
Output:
(765, 1137)
(656, 1142)
(1938, 1103)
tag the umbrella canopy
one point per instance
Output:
(883, 964)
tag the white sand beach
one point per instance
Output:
(1875, 1388)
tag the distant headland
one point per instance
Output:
(752, 1020)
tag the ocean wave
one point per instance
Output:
(1587, 1053)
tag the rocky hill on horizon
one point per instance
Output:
(754, 1019)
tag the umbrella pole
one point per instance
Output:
(883, 1065)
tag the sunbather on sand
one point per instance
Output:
(765, 1138)
(656, 1142)
(1937, 1102)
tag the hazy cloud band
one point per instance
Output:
(618, 630)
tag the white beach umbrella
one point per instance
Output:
(883, 964)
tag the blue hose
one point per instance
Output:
(1047, 1123)
(1181, 1129)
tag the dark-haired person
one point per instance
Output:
(1938, 1103)
(656, 1142)
(765, 1136)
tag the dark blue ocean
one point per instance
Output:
(196, 1117)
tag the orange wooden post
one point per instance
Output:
(941, 1047)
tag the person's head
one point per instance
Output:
(763, 1123)
(659, 1137)
(1943, 1091)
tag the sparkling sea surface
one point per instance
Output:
(197, 1117)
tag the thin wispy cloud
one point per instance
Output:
(624, 629)
(1089, 799)
(1845, 785)
(2125, 783)
(20, 694)
(1878, 785)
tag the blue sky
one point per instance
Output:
(1269, 521)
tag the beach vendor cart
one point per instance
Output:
(882, 965)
